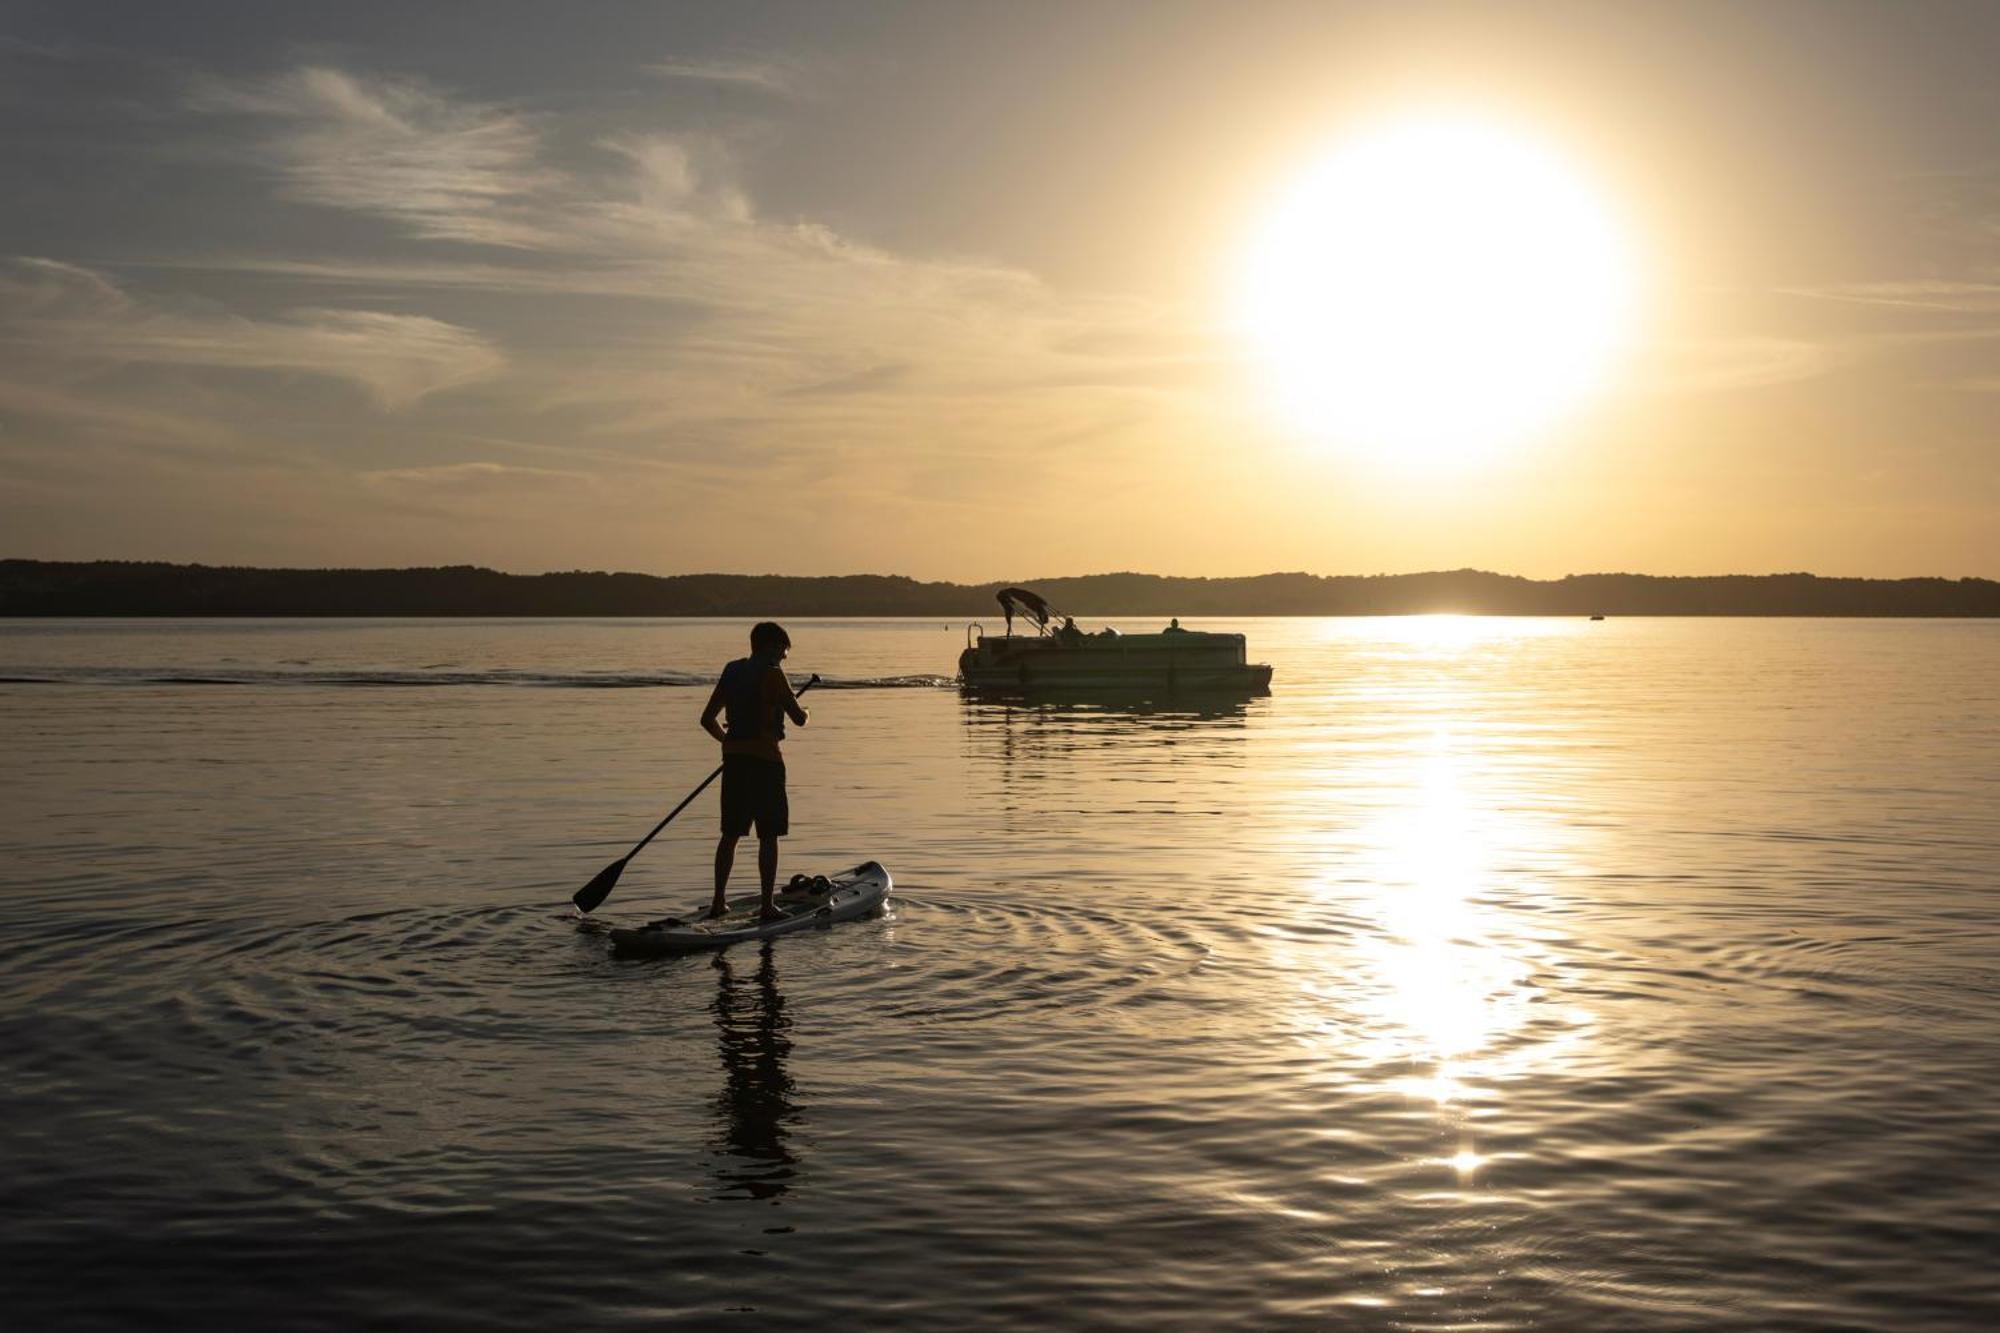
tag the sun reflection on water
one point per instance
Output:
(1450, 881)
(1444, 984)
(1450, 633)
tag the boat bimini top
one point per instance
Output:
(1028, 605)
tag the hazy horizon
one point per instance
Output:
(829, 289)
(1028, 581)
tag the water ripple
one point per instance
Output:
(1486, 975)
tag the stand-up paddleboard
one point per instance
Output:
(819, 901)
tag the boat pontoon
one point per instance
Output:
(1175, 659)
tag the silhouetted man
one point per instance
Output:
(754, 698)
(1069, 636)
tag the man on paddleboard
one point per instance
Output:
(753, 698)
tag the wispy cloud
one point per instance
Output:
(447, 169)
(710, 339)
(473, 488)
(1728, 365)
(53, 311)
(1930, 294)
(69, 408)
(1949, 321)
(765, 76)
(464, 477)
(788, 337)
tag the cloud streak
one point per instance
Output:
(763, 76)
(780, 329)
(447, 170)
(1931, 294)
(1734, 365)
(630, 324)
(53, 312)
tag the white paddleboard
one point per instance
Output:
(821, 901)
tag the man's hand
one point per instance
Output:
(713, 711)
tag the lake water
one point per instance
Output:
(1488, 974)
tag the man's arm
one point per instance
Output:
(795, 710)
(710, 713)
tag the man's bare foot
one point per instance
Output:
(772, 912)
(718, 908)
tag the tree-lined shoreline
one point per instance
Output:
(150, 588)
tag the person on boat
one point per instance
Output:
(1069, 635)
(1174, 627)
(753, 698)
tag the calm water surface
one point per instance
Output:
(1488, 974)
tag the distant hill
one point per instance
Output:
(133, 588)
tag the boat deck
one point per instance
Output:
(1188, 659)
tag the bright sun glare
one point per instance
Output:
(1434, 288)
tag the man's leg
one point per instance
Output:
(767, 868)
(725, 861)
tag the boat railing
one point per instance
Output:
(973, 640)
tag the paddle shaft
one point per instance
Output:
(699, 790)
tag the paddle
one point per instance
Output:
(592, 895)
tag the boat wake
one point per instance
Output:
(423, 677)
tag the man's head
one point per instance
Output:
(768, 639)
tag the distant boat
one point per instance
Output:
(1597, 617)
(1175, 659)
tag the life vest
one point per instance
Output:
(746, 714)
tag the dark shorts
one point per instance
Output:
(753, 792)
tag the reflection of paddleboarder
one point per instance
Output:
(754, 698)
(756, 1104)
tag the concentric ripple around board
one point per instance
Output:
(977, 962)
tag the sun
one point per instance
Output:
(1436, 287)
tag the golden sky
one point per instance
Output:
(984, 291)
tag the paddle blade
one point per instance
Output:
(591, 895)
